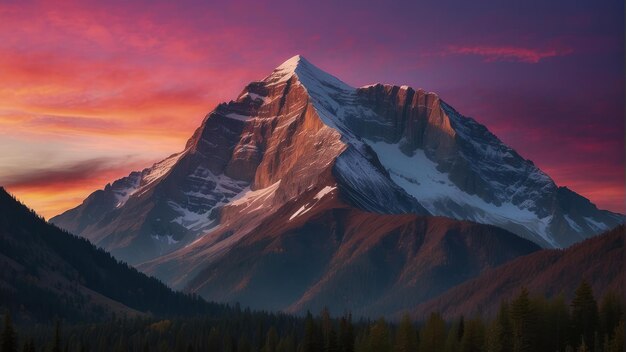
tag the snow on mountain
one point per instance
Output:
(381, 148)
(439, 195)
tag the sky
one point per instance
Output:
(92, 90)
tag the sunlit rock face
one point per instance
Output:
(298, 159)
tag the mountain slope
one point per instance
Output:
(391, 150)
(599, 261)
(332, 255)
(46, 273)
(299, 144)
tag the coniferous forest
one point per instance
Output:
(526, 323)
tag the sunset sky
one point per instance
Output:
(91, 90)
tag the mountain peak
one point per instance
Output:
(291, 64)
(307, 73)
(387, 149)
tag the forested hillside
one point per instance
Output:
(527, 323)
(46, 273)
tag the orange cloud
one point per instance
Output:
(53, 190)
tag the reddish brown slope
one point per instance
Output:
(337, 256)
(599, 260)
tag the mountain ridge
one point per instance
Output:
(599, 260)
(382, 149)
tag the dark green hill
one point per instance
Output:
(46, 272)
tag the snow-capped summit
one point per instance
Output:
(301, 144)
(305, 72)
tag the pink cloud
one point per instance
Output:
(507, 53)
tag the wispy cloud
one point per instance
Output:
(507, 53)
(69, 173)
(54, 189)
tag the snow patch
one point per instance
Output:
(236, 116)
(256, 97)
(572, 224)
(189, 219)
(324, 192)
(303, 209)
(419, 177)
(259, 199)
(308, 206)
(595, 225)
(208, 192)
(128, 186)
(159, 169)
(167, 239)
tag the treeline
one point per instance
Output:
(526, 323)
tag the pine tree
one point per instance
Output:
(56, 345)
(461, 328)
(346, 334)
(331, 342)
(474, 337)
(9, 337)
(361, 342)
(311, 341)
(432, 337)
(611, 311)
(243, 345)
(146, 346)
(379, 340)
(406, 337)
(286, 344)
(229, 344)
(557, 323)
(617, 342)
(583, 347)
(326, 324)
(523, 323)
(506, 329)
(271, 341)
(214, 341)
(493, 340)
(29, 346)
(584, 314)
(259, 337)
(452, 342)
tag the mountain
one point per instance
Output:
(343, 259)
(599, 260)
(46, 272)
(300, 146)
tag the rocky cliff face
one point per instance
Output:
(301, 143)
